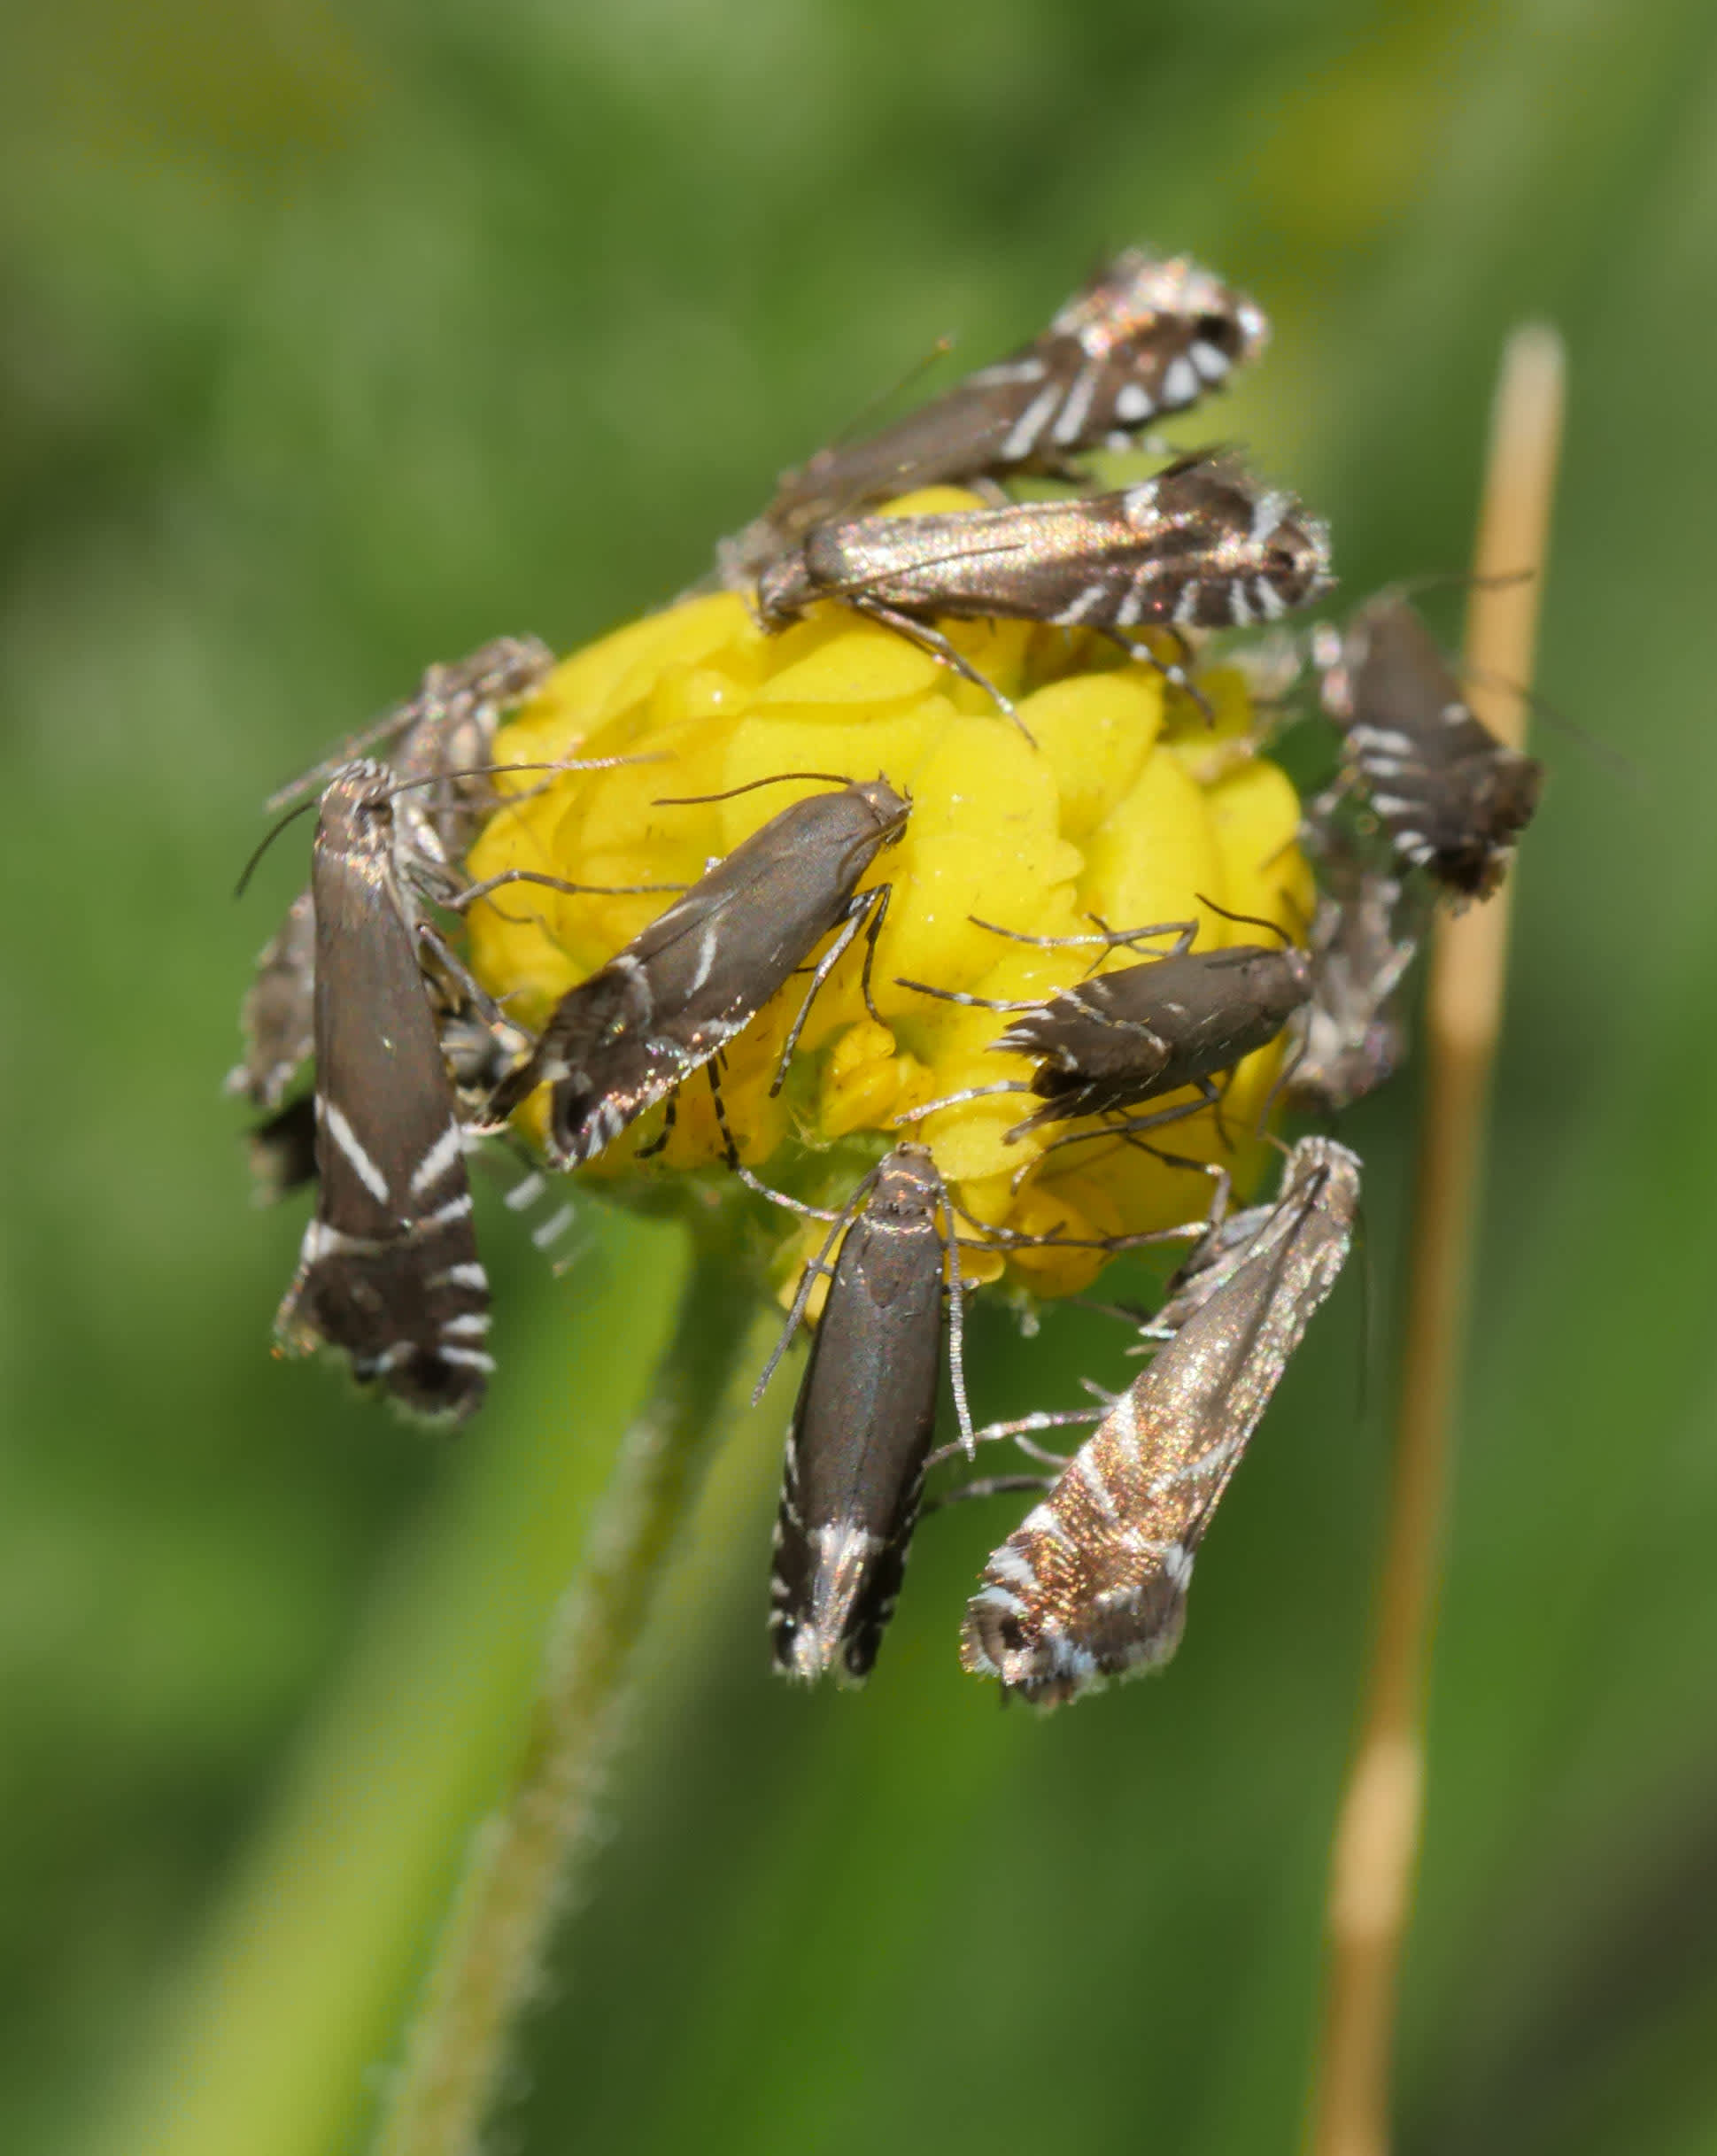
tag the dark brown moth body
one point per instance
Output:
(1146, 337)
(1125, 1037)
(444, 734)
(625, 1037)
(389, 1272)
(861, 1430)
(1364, 933)
(477, 1049)
(1452, 797)
(1092, 1584)
(1202, 545)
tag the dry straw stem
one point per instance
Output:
(1377, 1834)
(524, 1861)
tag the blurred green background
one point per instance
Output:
(336, 339)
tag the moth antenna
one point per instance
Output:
(956, 1327)
(1605, 753)
(873, 403)
(498, 770)
(1444, 579)
(780, 778)
(291, 816)
(1250, 920)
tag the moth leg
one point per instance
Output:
(977, 1002)
(991, 1485)
(883, 893)
(1126, 1131)
(931, 640)
(819, 1264)
(509, 1031)
(1284, 1077)
(1018, 1433)
(1048, 1239)
(857, 907)
(669, 1117)
(468, 897)
(1174, 674)
(731, 1151)
(1214, 1098)
(1184, 931)
(954, 1100)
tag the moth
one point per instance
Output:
(1093, 1583)
(444, 735)
(389, 1271)
(1149, 335)
(1452, 797)
(1116, 1041)
(861, 1432)
(658, 1010)
(1351, 1034)
(1202, 545)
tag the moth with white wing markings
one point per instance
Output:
(1202, 545)
(863, 1421)
(1120, 1040)
(1148, 336)
(389, 1271)
(1093, 1583)
(626, 1037)
(1453, 799)
(443, 741)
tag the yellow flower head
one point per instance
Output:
(1125, 805)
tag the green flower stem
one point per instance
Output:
(525, 1862)
(267, 2041)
